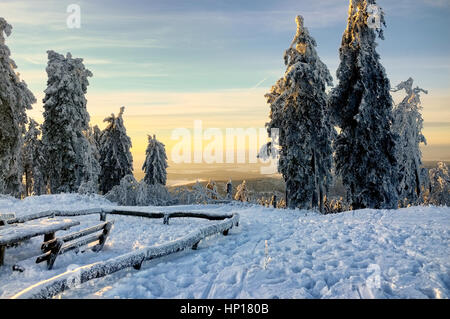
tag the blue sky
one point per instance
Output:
(171, 62)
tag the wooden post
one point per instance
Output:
(166, 220)
(103, 217)
(48, 237)
(54, 252)
(2, 255)
(103, 237)
(138, 265)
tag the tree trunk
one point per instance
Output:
(314, 195)
(321, 198)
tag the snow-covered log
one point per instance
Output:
(55, 213)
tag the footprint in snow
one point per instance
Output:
(296, 269)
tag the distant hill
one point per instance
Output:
(260, 185)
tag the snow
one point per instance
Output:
(273, 253)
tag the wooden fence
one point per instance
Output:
(62, 282)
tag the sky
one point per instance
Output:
(173, 62)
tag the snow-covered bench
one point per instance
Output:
(57, 246)
(17, 233)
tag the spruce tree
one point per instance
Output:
(439, 193)
(155, 165)
(66, 122)
(298, 110)
(33, 161)
(408, 125)
(116, 160)
(242, 193)
(15, 99)
(361, 105)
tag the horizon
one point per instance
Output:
(172, 63)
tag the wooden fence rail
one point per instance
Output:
(103, 212)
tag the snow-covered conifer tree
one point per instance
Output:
(242, 193)
(439, 193)
(361, 105)
(155, 165)
(211, 188)
(91, 183)
(298, 110)
(66, 121)
(15, 99)
(33, 160)
(408, 124)
(116, 160)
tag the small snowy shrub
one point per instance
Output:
(201, 194)
(197, 195)
(124, 193)
(182, 195)
(242, 193)
(211, 190)
(333, 206)
(281, 203)
(439, 189)
(132, 193)
(152, 195)
(87, 188)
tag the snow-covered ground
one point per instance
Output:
(273, 253)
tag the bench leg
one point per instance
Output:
(54, 253)
(195, 246)
(48, 237)
(104, 236)
(2, 255)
